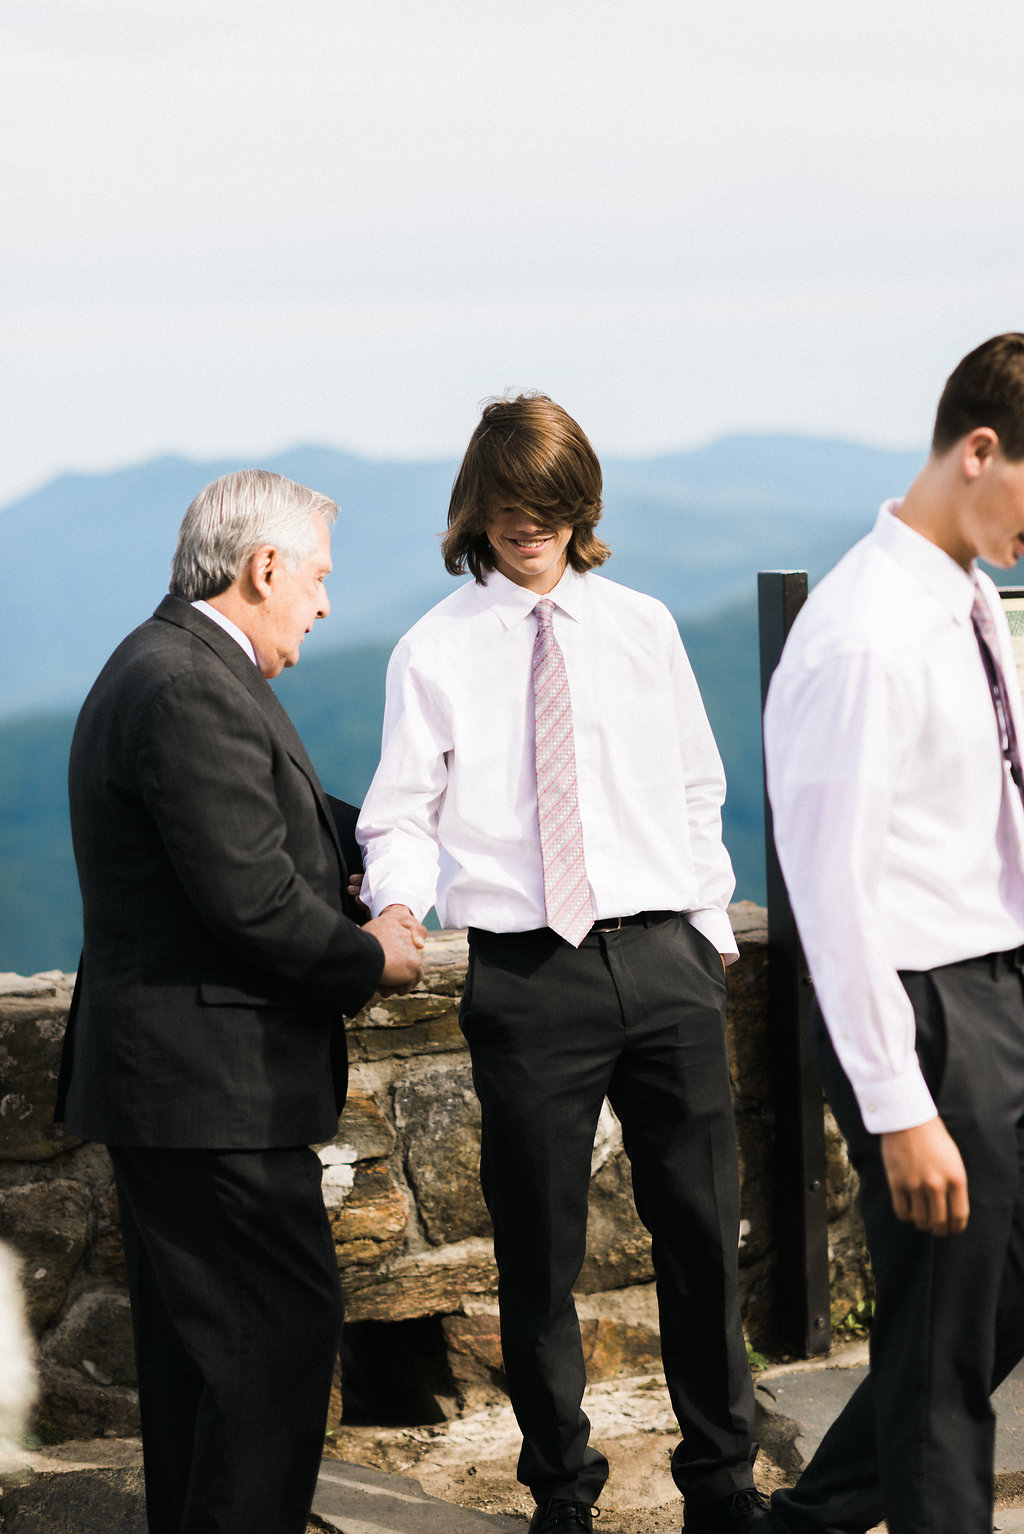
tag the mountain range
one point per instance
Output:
(87, 558)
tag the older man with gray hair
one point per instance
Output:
(205, 1045)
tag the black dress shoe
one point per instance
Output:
(556, 1517)
(734, 1514)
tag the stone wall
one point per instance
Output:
(400, 1183)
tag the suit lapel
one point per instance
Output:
(176, 610)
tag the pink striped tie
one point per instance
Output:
(988, 644)
(566, 890)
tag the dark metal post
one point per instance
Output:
(801, 1213)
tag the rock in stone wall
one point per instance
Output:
(400, 1183)
(32, 1022)
(849, 1269)
(58, 1210)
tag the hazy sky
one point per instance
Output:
(232, 225)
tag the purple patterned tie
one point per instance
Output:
(988, 644)
(566, 890)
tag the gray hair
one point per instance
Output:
(239, 513)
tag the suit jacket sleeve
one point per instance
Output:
(240, 823)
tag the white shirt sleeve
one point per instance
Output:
(705, 795)
(837, 737)
(397, 827)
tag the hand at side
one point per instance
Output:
(402, 938)
(927, 1178)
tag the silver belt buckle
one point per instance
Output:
(609, 923)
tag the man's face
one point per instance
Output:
(525, 550)
(297, 598)
(993, 523)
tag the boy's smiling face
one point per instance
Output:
(527, 551)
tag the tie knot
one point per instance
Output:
(544, 608)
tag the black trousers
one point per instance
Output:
(915, 1443)
(236, 1309)
(636, 1015)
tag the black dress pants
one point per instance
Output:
(637, 1015)
(915, 1443)
(236, 1310)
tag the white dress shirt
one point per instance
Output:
(900, 833)
(451, 815)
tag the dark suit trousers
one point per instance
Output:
(915, 1443)
(236, 1309)
(636, 1014)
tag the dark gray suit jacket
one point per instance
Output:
(218, 960)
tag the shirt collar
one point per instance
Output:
(229, 628)
(947, 581)
(511, 603)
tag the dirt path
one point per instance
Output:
(471, 1461)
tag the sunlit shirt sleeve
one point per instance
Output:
(899, 839)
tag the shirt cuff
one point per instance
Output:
(386, 896)
(898, 1102)
(716, 927)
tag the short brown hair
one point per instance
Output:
(525, 452)
(985, 389)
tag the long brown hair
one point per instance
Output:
(525, 452)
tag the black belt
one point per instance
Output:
(606, 924)
(639, 919)
(1010, 958)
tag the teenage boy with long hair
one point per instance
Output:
(549, 777)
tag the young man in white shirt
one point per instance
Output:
(549, 776)
(891, 736)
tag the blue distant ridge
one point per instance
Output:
(87, 557)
